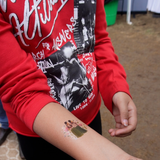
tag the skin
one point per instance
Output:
(91, 144)
(125, 115)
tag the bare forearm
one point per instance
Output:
(89, 145)
(51, 118)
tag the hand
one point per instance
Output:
(125, 114)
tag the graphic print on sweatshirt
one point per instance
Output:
(66, 75)
(84, 15)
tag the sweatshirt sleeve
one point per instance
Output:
(22, 85)
(111, 74)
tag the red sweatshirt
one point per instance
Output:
(56, 51)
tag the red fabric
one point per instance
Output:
(111, 74)
(23, 88)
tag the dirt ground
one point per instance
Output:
(138, 48)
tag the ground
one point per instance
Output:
(138, 48)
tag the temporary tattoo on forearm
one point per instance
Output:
(74, 129)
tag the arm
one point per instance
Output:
(81, 148)
(90, 146)
(21, 83)
(125, 114)
(111, 74)
(112, 80)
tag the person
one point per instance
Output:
(51, 73)
(4, 128)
